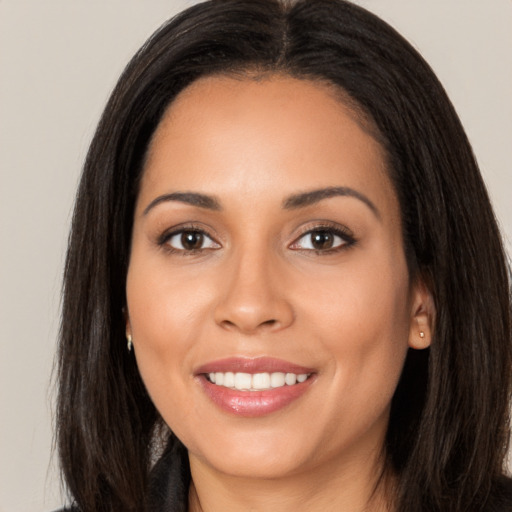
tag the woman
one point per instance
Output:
(277, 293)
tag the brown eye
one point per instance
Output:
(190, 240)
(321, 240)
(324, 240)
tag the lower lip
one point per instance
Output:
(251, 404)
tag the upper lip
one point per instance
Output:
(252, 365)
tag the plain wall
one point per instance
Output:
(59, 59)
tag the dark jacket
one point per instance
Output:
(170, 480)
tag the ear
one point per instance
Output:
(422, 316)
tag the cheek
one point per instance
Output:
(362, 319)
(164, 304)
(165, 315)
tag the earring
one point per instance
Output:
(422, 334)
(129, 343)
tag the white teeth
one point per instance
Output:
(261, 381)
(290, 379)
(242, 381)
(257, 381)
(229, 380)
(277, 380)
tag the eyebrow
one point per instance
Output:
(293, 202)
(192, 198)
(314, 196)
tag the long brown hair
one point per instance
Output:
(448, 430)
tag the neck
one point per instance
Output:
(356, 486)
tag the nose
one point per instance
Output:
(253, 296)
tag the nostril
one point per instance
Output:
(228, 323)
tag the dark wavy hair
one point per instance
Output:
(449, 428)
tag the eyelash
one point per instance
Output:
(341, 232)
(164, 239)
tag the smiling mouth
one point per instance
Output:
(265, 381)
(254, 387)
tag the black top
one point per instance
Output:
(170, 480)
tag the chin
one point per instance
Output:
(258, 454)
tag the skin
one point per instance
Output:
(256, 287)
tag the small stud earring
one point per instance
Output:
(129, 343)
(422, 334)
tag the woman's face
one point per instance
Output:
(268, 294)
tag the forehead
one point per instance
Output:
(234, 134)
(261, 100)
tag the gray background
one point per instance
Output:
(59, 60)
